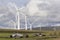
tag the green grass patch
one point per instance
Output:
(50, 35)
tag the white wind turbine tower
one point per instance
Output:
(26, 23)
(23, 11)
(11, 5)
(18, 16)
(33, 23)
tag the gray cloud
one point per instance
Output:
(46, 11)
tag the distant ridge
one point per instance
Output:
(48, 28)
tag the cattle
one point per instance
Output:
(39, 34)
(18, 35)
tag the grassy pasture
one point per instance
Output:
(50, 35)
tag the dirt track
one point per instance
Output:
(57, 39)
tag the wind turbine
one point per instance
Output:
(25, 18)
(33, 23)
(17, 14)
(12, 23)
(26, 23)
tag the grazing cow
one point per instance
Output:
(17, 35)
(39, 34)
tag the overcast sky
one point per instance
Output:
(46, 10)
